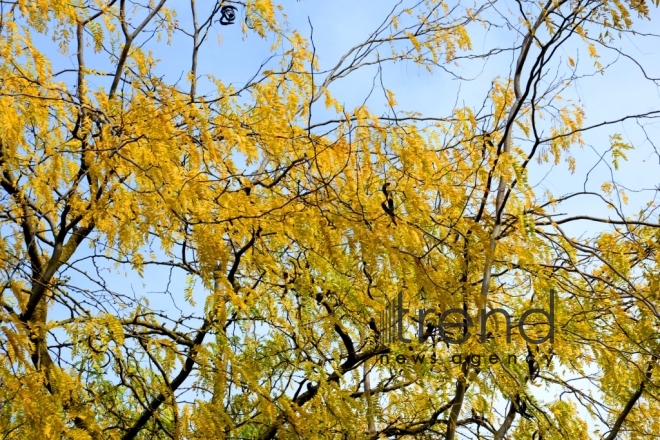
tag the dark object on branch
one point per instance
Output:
(228, 15)
(385, 185)
(521, 407)
(532, 364)
(388, 204)
(487, 139)
(388, 207)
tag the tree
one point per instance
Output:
(294, 226)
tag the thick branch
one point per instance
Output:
(629, 406)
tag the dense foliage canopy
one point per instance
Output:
(278, 223)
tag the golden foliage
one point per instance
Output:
(284, 234)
